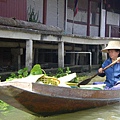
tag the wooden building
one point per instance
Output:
(47, 32)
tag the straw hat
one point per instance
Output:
(112, 45)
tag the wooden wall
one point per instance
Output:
(13, 8)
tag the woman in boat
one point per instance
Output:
(113, 73)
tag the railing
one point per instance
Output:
(90, 64)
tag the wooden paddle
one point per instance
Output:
(86, 81)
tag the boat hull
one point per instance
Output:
(46, 100)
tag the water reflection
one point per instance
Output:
(111, 112)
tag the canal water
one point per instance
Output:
(110, 112)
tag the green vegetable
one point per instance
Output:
(20, 74)
(23, 72)
(4, 107)
(36, 70)
(61, 72)
(12, 76)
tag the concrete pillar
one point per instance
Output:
(72, 61)
(61, 54)
(94, 55)
(83, 61)
(77, 58)
(42, 57)
(19, 62)
(97, 55)
(36, 55)
(95, 51)
(29, 53)
(17, 52)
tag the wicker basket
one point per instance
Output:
(49, 80)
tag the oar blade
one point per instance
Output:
(84, 82)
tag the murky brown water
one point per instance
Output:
(111, 112)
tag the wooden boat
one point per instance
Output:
(45, 100)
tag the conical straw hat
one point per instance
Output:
(112, 45)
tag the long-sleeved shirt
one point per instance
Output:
(112, 74)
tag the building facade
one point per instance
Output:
(79, 35)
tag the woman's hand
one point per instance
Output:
(100, 70)
(118, 59)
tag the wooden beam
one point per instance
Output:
(88, 17)
(35, 45)
(44, 11)
(61, 55)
